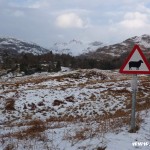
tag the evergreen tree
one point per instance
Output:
(58, 66)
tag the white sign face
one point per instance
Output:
(136, 63)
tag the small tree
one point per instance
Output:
(58, 66)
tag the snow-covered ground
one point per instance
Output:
(70, 110)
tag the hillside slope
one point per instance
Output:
(82, 109)
(14, 46)
(123, 47)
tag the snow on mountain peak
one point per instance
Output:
(76, 47)
(143, 40)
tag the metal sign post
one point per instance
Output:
(134, 89)
(135, 63)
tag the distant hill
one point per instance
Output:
(73, 47)
(95, 50)
(14, 46)
(119, 48)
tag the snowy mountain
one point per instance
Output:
(119, 48)
(76, 47)
(15, 46)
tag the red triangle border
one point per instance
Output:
(136, 47)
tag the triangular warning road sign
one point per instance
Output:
(136, 63)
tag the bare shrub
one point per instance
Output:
(92, 97)
(70, 99)
(9, 147)
(58, 102)
(101, 148)
(40, 104)
(10, 104)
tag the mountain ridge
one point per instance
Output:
(118, 49)
(75, 47)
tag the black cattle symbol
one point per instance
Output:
(135, 64)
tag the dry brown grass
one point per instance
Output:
(8, 91)
(104, 124)
(34, 130)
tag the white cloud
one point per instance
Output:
(142, 8)
(134, 20)
(86, 20)
(18, 13)
(39, 4)
(69, 20)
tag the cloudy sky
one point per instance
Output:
(48, 21)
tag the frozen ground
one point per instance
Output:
(82, 109)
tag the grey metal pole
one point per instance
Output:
(134, 89)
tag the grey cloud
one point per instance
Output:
(35, 20)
